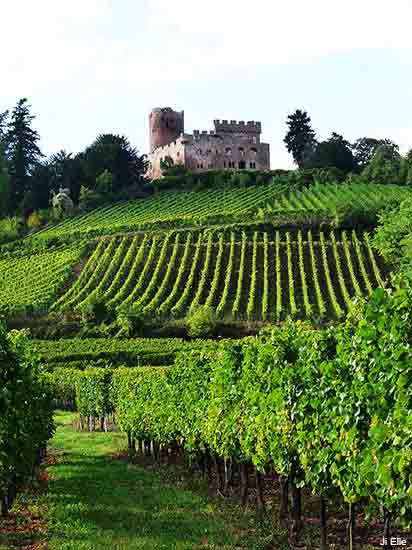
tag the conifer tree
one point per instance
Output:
(22, 151)
(4, 182)
(300, 138)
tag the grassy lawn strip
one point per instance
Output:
(97, 502)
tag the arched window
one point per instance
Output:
(199, 151)
(228, 151)
(241, 152)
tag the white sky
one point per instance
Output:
(93, 66)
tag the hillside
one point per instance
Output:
(302, 264)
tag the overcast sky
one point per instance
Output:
(94, 66)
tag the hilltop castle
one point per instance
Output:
(231, 145)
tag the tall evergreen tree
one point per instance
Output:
(4, 182)
(22, 151)
(300, 138)
(3, 125)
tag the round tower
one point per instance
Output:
(165, 125)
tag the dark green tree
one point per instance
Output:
(41, 183)
(22, 151)
(332, 153)
(407, 167)
(3, 125)
(300, 138)
(363, 150)
(4, 183)
(115, 154)
(385, 165)
(169, 168)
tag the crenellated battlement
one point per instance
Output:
(232, 144)
(234, 126)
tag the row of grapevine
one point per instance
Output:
(30, 283)
(256, 276)
(187, 208)
(327, 198)
(270, 402)
(26, 420)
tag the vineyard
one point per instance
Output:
(258, 276)
(329, 197)
(175, 207)
(231, 204)
(86, 352)
(30, 282)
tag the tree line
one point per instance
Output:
(377, 160)
(108, 168)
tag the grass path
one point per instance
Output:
(95, 502)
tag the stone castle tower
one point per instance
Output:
(165, 126)
(231, 145)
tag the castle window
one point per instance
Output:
(167, 124)
(217, 152)
(228, 151)
(201, 165)
(242, 164)
(254, 139)
(252, 165)
(224, 164)
(241, 151)
(199, 151)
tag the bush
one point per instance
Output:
(9, 229)
(93, 310)
(130, 320)
(201, 322)
(34, 221)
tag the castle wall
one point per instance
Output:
(211, 151)
(175, 150)
(232, 145)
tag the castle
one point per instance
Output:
(231, 145)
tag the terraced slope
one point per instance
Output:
(221, 205)
(244, 276)
(87, 352)
(329, 197)
(30, 283)
(184, 208)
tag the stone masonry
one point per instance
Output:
(231, 145)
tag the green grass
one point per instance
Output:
(95, 501)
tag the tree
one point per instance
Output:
(22, 151)
(169, 168)
(300, 138)
(385, 165)
(4, 183)
(3, 125)
(335, 152)
(363, 150)
(407, 164)
(115, 154)
(40, 185)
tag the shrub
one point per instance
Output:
(201, 321)
(130, 320)
(34, 221)
(9, 229)
(93, 310)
